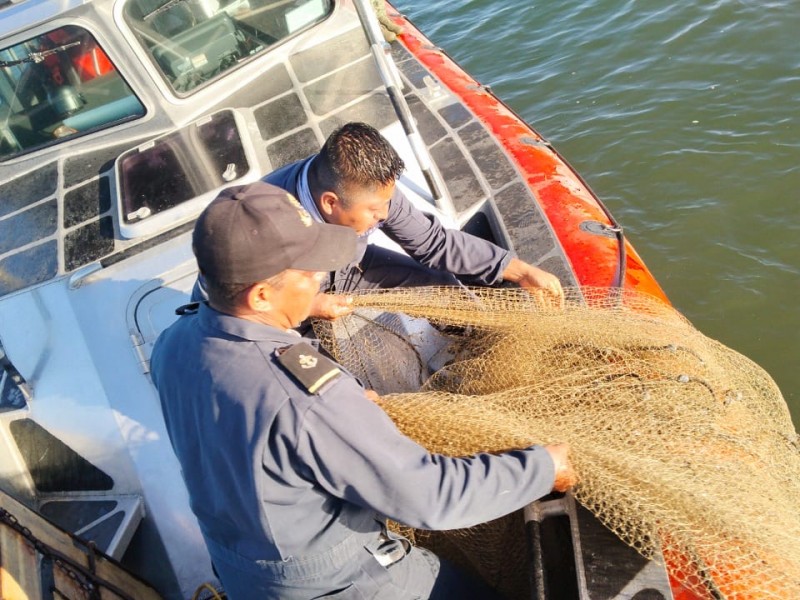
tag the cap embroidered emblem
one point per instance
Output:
(305, 216)
(307, 362)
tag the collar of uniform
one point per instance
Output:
(304, 193)
(247, 330)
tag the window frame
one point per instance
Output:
(141, 49)
(89, 29)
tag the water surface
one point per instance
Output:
(683, 118)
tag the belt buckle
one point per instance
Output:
(389, 552)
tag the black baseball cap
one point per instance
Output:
(251, 232)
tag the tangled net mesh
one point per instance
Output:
(684, 448)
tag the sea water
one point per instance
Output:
(684, 118)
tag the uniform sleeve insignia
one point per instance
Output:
(307, 362)
(311, 369)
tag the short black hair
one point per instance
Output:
(356, 154)
(226, 295)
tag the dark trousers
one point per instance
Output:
(421, 575)
(384, 269)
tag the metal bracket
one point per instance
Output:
(597, 228)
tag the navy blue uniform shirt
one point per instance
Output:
(276, 473)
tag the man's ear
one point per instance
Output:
(328, 201)
(258, 297)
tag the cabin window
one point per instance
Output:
(56, 86)
(178, 173)
(194, 41)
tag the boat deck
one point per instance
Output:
(60, 217)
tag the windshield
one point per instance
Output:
(194, 41)
(56, 86)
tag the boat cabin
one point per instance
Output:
(119, 121)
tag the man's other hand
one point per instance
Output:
(545, 286)
(565, 474)
(331, 306)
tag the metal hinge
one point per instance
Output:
(139, 347)
(14, 375)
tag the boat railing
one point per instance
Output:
(393, 84)
(38, 558)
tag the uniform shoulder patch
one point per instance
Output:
(308, 366)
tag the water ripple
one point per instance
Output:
(683, 118)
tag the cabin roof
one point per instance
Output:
(18, 15)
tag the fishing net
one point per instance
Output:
(684, 448)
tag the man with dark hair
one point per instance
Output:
(291, 468)
(352, 182)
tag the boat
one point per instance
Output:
(119, 121)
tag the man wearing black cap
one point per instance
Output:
(291, 469)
